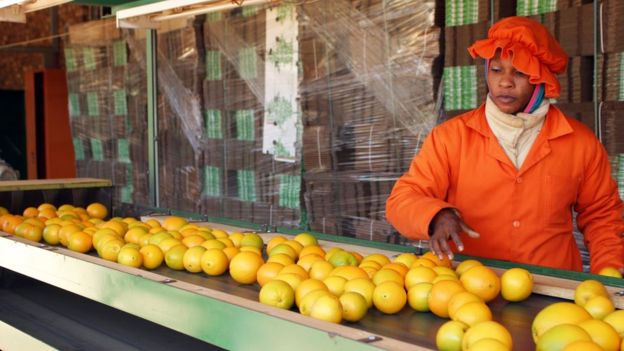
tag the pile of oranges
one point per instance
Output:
(331, 283)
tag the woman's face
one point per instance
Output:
(509, 89)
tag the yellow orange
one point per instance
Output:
(440, 295)
(481, 281)
(152, 256)
(174, 257)
(97, 210)
(306, 287)
(389, 297)
(244, 267)
(418, 296)
(214, 262)
(268, 272)
(80, 242)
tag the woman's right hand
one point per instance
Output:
(447, 224)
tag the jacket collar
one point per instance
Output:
(554, 126)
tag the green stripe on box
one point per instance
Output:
(93, 105)
(121, 103)
(247, 63)
(290, 187)
(123, 150)
(214, 16)
(212, 181)
(126, 193)
(74, 105)
(213, 65)
(120, 53)
(212, 124)
(78, 149)
(70, 60)
(88, 57)
(245, 125)
(621, 95)
(97, 150)
(249, 11)
(246, 185)
(460, 88)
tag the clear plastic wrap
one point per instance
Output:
(106, 91)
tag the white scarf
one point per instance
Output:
(515, 133)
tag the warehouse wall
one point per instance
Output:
(21, 47)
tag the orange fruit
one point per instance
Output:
(230, 252)
(192, 259)
(516, 284)
(397, 267)
(610, 272)
(354, 306)
(174, 223)
(219, 233)
(44, 206)
(268, 272)
(370, 264)
(295, 245)
(97, 210)
(488, 345)
(30, 212)
(582, 346)
(306, 239)
(362, 286)
(327, 308)
(152, 256)
(134, 234)
(307, 261)
(33, 233)
(389, 297)
(255, 250)
(227, 242)
(342, 258)
(459, 299)
(244, 267)
(283, 259)
(110, 250)
(418, 296)
(50, 234)
(449, 336)
(423, 262)
(168, 243)
(481, 281)
(445, 262)
(472, 313)
(283, 249)
(349, 272)
(312, 250)
(385, 275)
(558, 337)
(253, 240)
(306, 287)
(306, 303)
(556, 314)
(274, 241)
(196, 240)
(79, 242)
(588, 289)
(419, 274)
(214, 262)
(320, 270)
(296, 269)
(131, 257)
(294, 280)
(599, 307)
(440, 270)
(440, 295)
(174, 257)
(377, 257)
(11, 223)
(154, 223)
(65, 231)
(277, 293)
(602, 333)
(332, 251)
(466, 265)
(406, 258)
(211, 244)
(335, 284)
(616, 320)
(486, 330)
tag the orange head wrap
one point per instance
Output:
(532, 48)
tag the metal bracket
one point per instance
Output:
(619, 293)
(168, 281)
(369, 339)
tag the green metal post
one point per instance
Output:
(152, 116)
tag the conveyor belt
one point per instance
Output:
(70, 322)
(408, 325)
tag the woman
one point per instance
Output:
(501, 181)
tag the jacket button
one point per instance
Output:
(516, 224)
(519, 180)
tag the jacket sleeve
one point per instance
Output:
(419, 194)
(600, 213)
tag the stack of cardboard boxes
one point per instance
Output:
(107, 108)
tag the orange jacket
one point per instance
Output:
(522, 215)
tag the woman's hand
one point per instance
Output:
(447, 224)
